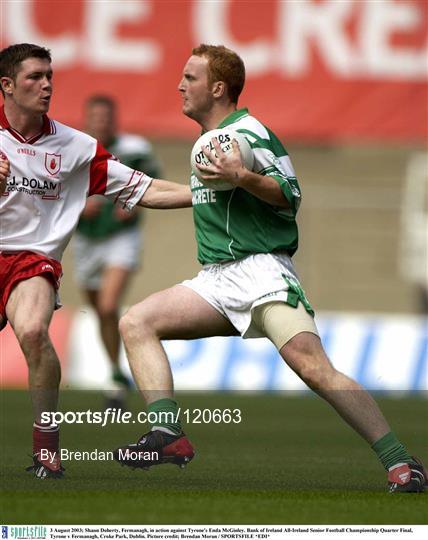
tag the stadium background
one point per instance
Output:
(344, 85)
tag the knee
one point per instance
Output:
(135, 324)
(107, 311)
(311, 364)
(33, 338)
(313, 375)
(127, 324)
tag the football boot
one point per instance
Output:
(407, 477)
(46, 468)
(156, 448)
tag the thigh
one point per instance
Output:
(113, 284)
(181, 313)
(30, 303)
(256, 280)
(280, 322)
(121, 255)
(91, 295)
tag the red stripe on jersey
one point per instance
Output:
(98, 171)
(4, 122)
(122, 190)
(135, 187)
(46, 128)
(17, 135)
(32, 140)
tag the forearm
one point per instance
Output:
(3, 183)
(229, 167)
(162, 194)
(265, 188)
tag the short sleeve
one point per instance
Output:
(119, 183)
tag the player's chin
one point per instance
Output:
(188, 111)
(44, 106)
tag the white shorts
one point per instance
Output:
(93, 256)
(236, 288)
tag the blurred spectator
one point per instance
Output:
(414, 228)
(108, 240)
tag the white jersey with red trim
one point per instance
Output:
(51, 176)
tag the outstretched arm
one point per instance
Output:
(163, 194)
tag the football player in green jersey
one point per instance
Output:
(108, 240)
(246, 237)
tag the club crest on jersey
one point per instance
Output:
(52, 163)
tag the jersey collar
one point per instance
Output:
(234, 117)
(47, 128)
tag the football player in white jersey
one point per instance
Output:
(53, 168)
(248, 285)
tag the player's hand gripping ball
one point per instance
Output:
(224, 136)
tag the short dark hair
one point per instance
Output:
(11, 57)
(224, 65)
(101, 99)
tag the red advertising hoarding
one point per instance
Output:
(317, 70)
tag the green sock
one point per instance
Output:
(390, 451)
(164, 413)
(119, 377)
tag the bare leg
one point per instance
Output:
(305, 355)
(29, 310)
(106, 302)
(176, 313)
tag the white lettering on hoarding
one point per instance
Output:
(307, 24)
(98, 44)
(210, 23)
(106, 50)
(20, 27)
(300, 27)
(378, 22)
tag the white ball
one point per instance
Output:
(224, 137)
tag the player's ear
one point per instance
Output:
(6, 85)
(219, 89)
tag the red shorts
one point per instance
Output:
(16, 266)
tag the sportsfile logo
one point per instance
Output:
(27, 532)
(4, 531)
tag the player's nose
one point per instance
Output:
(181, 86)
(46, 82)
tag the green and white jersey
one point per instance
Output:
(232, 224)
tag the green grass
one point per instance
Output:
(290, 461)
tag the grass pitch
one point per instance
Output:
(290, 461)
